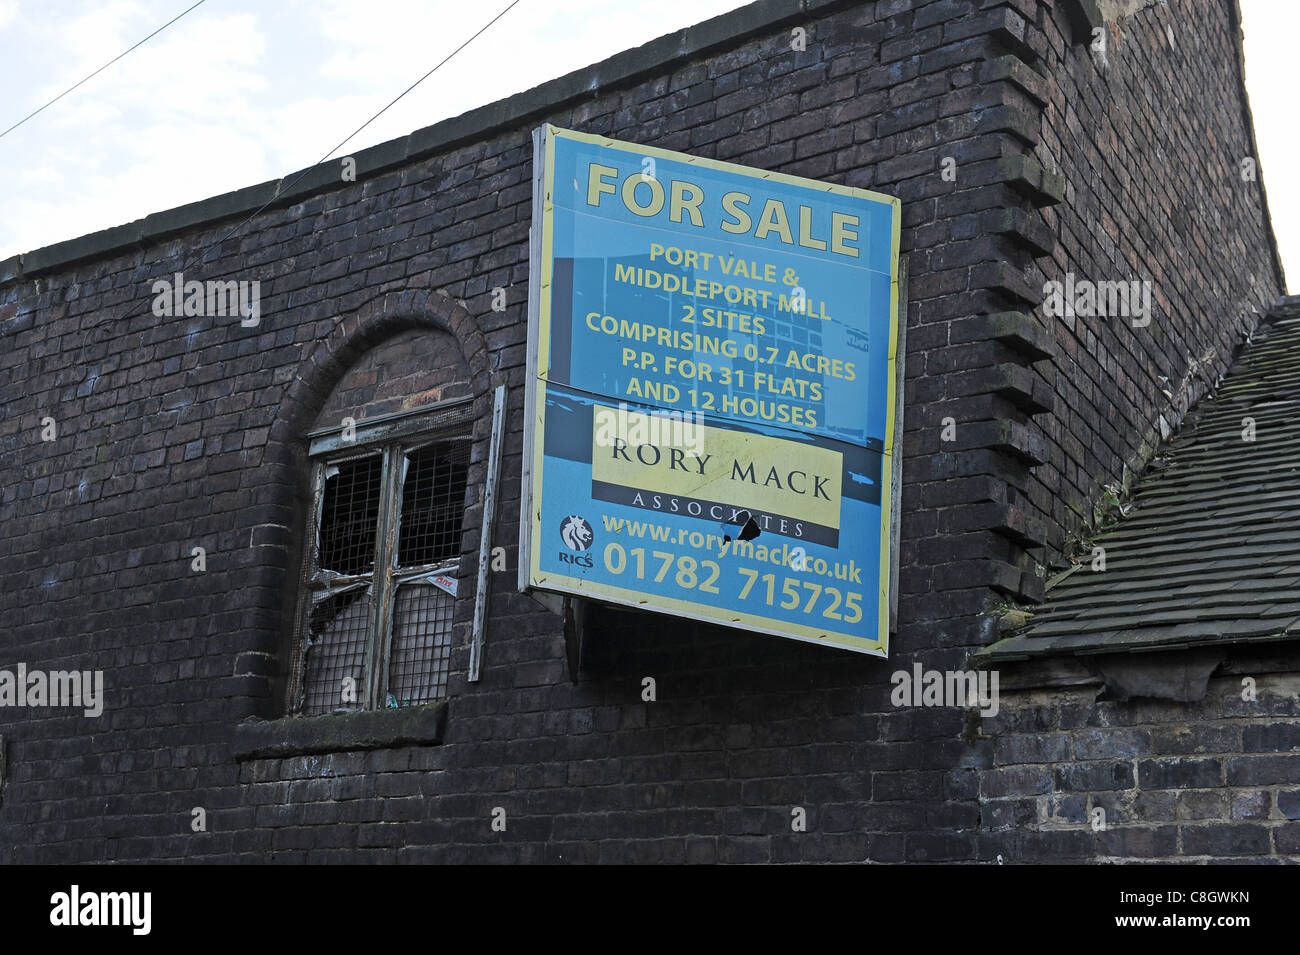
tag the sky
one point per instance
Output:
(241, 91)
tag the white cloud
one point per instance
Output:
(241, 92)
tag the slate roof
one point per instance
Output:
(1209, 551)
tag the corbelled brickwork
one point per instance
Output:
(1019, 154)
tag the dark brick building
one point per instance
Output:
(1028, 141)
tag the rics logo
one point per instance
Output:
(576, 533)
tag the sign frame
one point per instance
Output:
(540, 275)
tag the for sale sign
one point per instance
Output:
(713, 391)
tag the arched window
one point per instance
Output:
(390, 454)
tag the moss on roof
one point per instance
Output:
(1209, 552)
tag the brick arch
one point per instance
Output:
(283, 490)
(375, 322)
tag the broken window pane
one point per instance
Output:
(421, 647)
(433, 504)
(337, 636)
(350, 516)
(417, 553)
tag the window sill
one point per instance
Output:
(341, 732)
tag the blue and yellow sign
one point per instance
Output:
(712, 392)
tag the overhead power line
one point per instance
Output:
(420, 80)
(101, 69)
(350, 136)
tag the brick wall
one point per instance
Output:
(183, 432)
(1148, 181)
(1214, 780)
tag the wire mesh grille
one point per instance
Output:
(350, 516)
(339, 641)
(433, 504)
(421, 646)
(338, 634)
